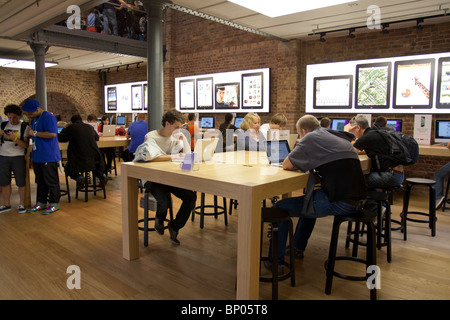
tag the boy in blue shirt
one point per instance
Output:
(46, 155)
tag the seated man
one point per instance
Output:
(384, 172)
(341, 178)
(161, 145)
(83, 153)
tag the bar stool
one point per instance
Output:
(275, 216)
(367, 218)
(383, 226)
(148, 202)
(411, 182)
(67, 191)
(446, 199)
(200, 210)
(90, 185)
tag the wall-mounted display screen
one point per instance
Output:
(413, 86)
(443, 83)
(442, 131)
(136, 97)
(373, 85)
(333, 92)
(395, 124)
(126, 97)
(235, 91)
(111, 99)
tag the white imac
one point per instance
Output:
(442, 131)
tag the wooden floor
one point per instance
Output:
(36, 250)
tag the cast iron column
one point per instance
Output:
(39, 59)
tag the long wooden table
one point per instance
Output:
(104, 142)
(434, 150)
(243, 175)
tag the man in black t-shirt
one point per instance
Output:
(342, 181)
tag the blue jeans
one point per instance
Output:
(439, 177)
(384, 179)
(322, 207)
(109, 15)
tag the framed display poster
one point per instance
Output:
(145, 96)
(136, 97)
(112, 99)
(333, 92)
(443, 83)
(205, 93)
(187, 94)
(373, 83)
(252, 90)
(227, 96)
(413, 86)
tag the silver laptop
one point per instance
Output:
(109, 131)
(277, 151)
(205, 148)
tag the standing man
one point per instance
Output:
(193, 129)
(341, 178)
(136, 133)
(162, 144)
(14, 140)
(46, 155)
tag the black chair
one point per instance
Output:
(446, 199)
(200, 210)
(383, 226)
(275, 216)
(367, 218)
(91, 185)
(431, 221)
(148, 202)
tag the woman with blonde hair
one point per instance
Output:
(250, 138)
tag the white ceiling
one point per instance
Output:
(18, 19)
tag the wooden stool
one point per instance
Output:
(217, 210)
(275, 216)
(149, 203)
(366, 218)
(411, 182)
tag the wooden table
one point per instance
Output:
(435, 150)
(243, 175)
(104, 142)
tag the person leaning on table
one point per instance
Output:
(333, 157)
(162, 145)
(46, 156)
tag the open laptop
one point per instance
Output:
(109, 131)
(205, 148)
(277, 151)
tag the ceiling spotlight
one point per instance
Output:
(322, 35)
(351, 35)
(419, 25)
(384, 27)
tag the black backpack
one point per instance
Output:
(403, 149)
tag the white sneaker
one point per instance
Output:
(21, 209)
(439, 202)
(4, 208)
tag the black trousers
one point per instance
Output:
(47, 181)
(162, 194)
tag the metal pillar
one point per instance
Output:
(155, 75)
(41, 87)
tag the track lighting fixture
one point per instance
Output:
(322, 35)
(351, 34)
(419, 25)
(384, 27)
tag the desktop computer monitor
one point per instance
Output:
(207, 122)
(395, 124)
(121, 120)
(442, 131)
(238, 121)
(338, 124)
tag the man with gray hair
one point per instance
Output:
(384, 172)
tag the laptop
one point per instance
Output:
(277, 151)
(109, 130)
(205, 148)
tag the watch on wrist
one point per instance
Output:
(34, 133)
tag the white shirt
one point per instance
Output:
(10, 148)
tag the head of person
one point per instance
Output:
(278, 121)
(191, 116)
(92, 118)
(13, 112)
(142, 116)
(380, 122)
(325, 122)
(306, 124)
(358, 125)
(172, 120)
(220, 94)
(105, 120)
(228, 117)
(31, 108)
(251, 121)
(76, 118)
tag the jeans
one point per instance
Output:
(162, 194)
(439, 177)
(384, 179)
(109, 15)
(322, 207)
(47, 181)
